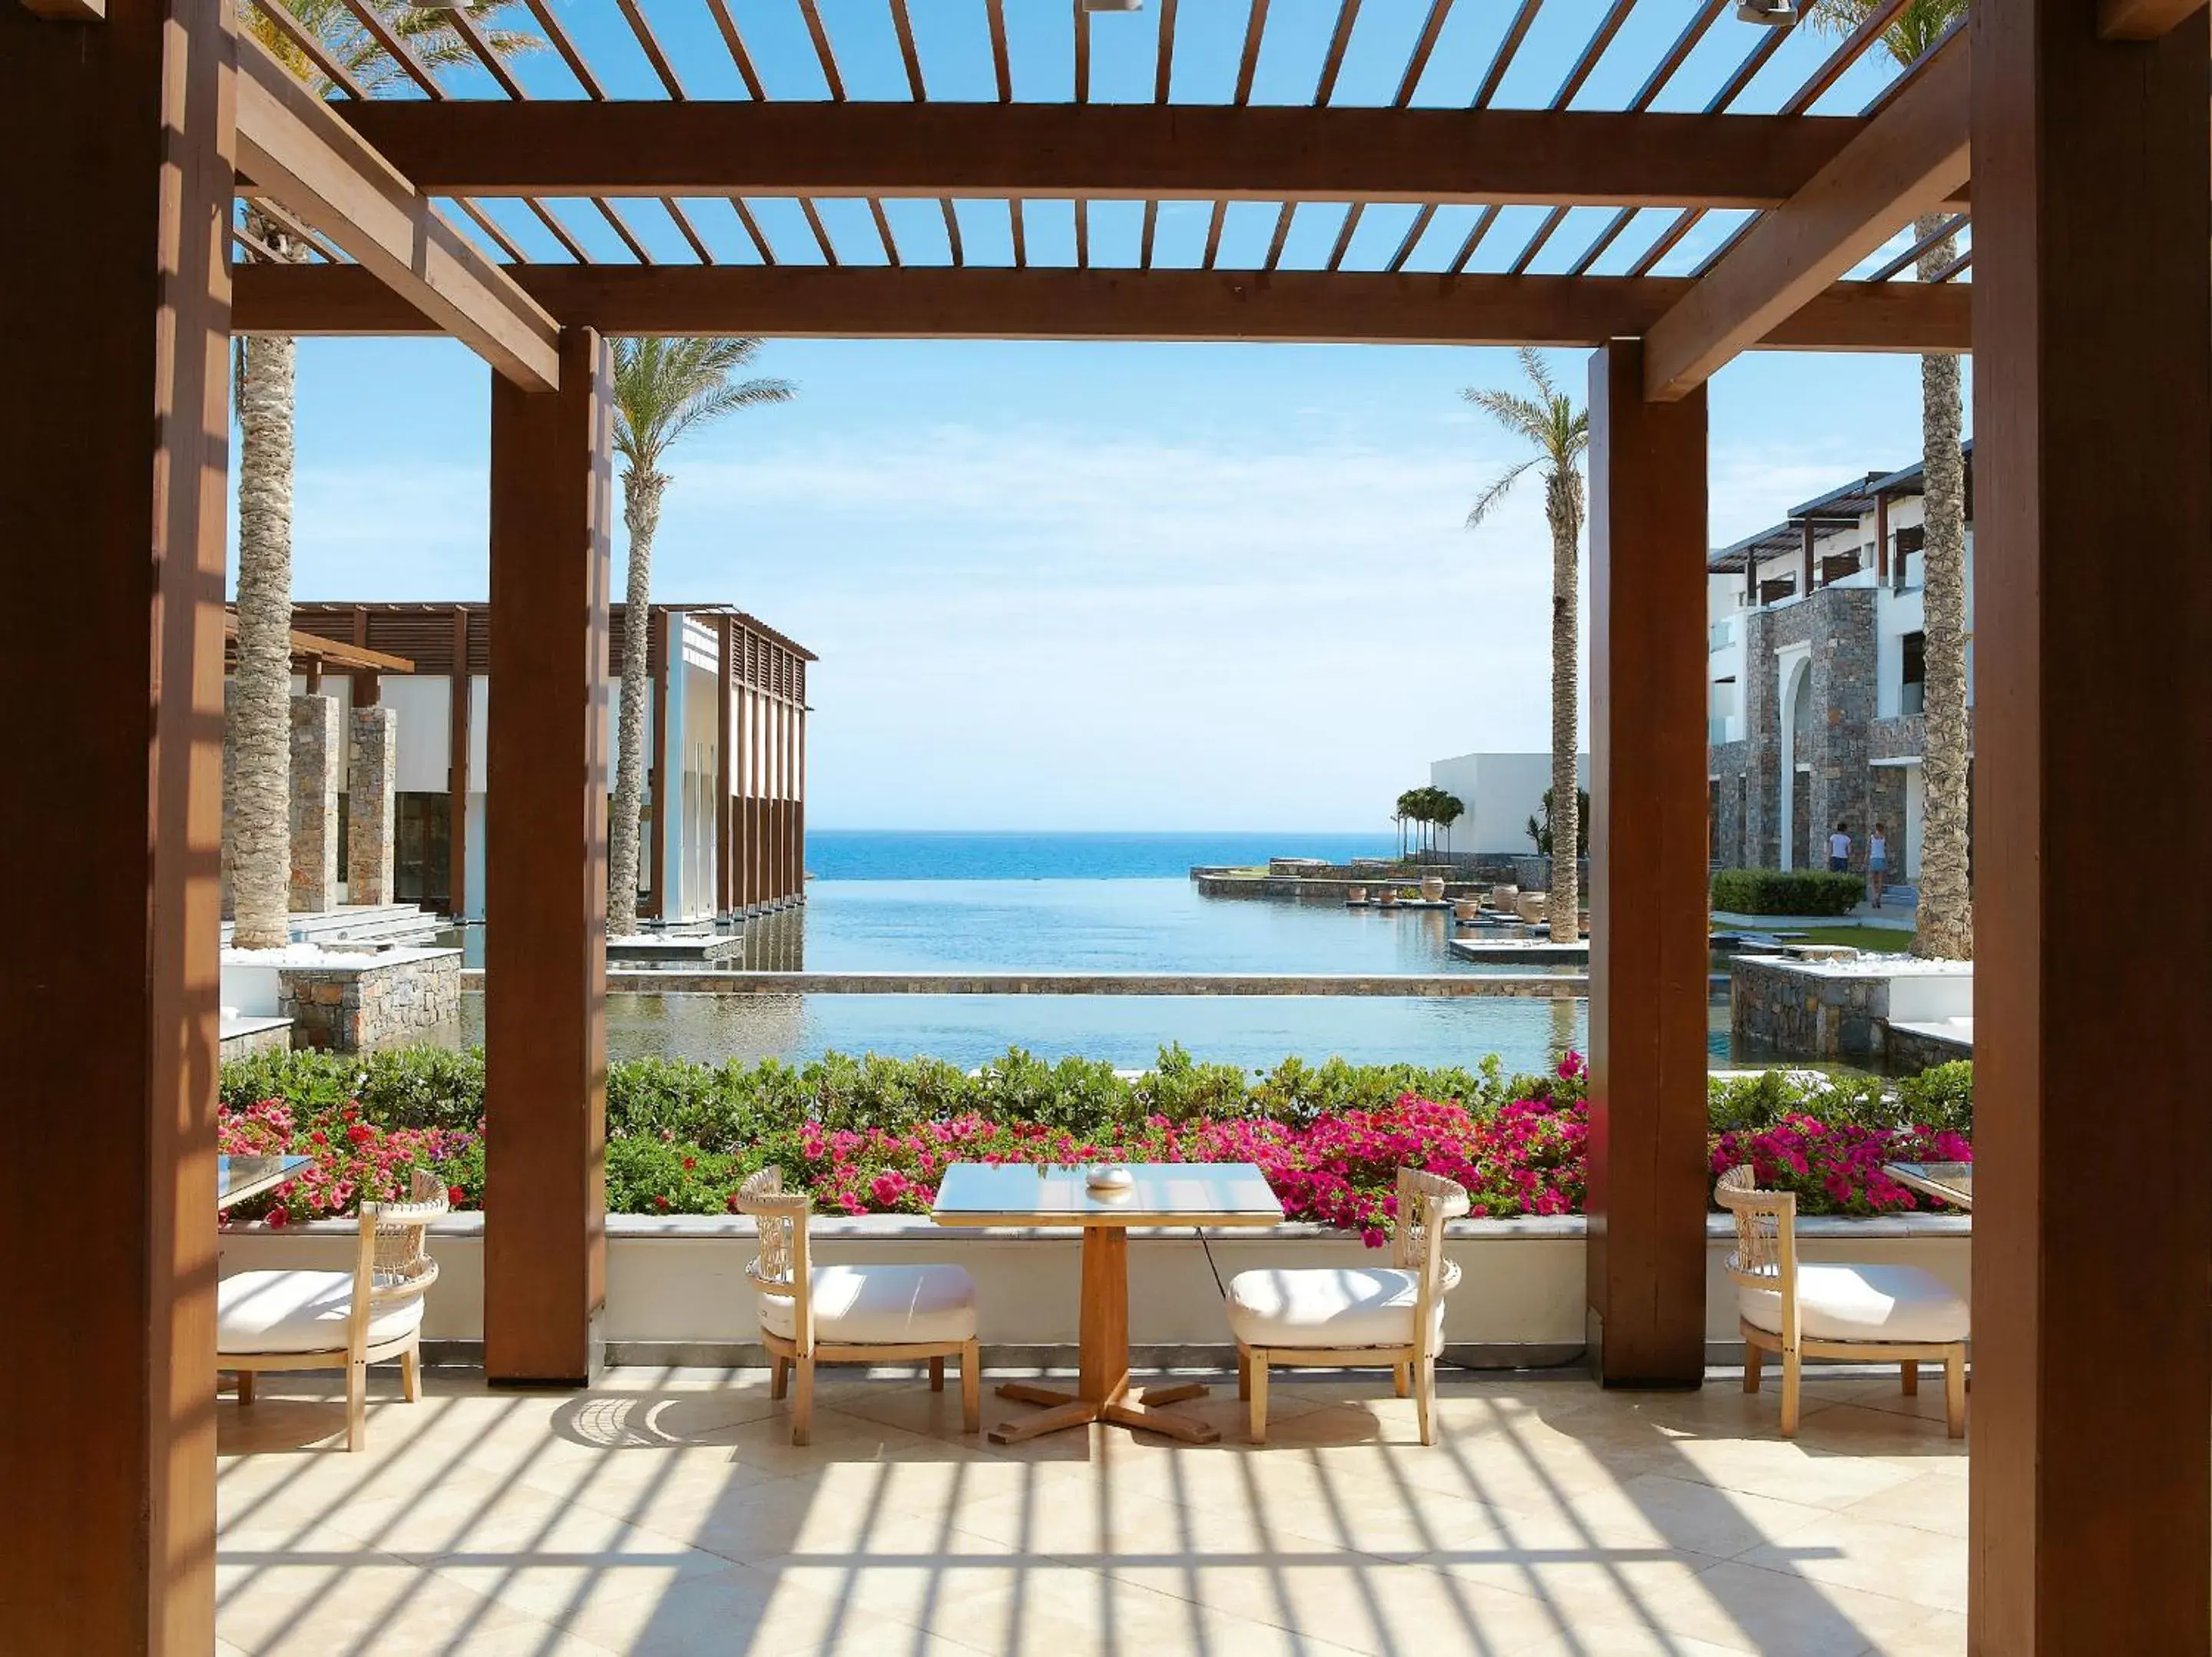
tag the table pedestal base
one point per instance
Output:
(1139, 1409)
(1103, 1392)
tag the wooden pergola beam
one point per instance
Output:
(2143, 20)
(1155, 152)
(944, 303)
(68, 11)
(297, 150)
(1910, 159)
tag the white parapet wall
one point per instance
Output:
(677, 1286)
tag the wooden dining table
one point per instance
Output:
(237, 1177)
(1947, 1182)
(1158, 1194)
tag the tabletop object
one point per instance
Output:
(1159, 1193)
(237, 1177)
(1947, 1182)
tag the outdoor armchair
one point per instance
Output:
(304, 1319)
(1356, 1315)
(813, 1314)
(1829, 1309)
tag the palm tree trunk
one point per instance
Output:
(1946, 914)
(641, 493)
(1563, 508)
(260, 734)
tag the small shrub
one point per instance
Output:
(1787, 891)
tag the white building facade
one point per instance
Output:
(1501, 793)
(724, 820)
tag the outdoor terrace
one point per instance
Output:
(667, 1511)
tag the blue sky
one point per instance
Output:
(1090, 585)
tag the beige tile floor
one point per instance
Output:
(668, 1512)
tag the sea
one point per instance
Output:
(883, 900)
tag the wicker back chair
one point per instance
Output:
(1865, 1313)
(1341, 1317)
(305, 1319)
(813, 1314)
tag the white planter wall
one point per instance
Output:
(681, 1280)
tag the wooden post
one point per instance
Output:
(2091, 1512)
(741, 851)
(367, 687)
(1649, 842)
(725, 736)
(1805, 558)
(117, 445)
(457, 770)
(1881, 540)
(546, 962)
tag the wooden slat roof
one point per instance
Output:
(786, 133)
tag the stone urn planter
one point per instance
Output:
(1504, 897)
(1530, 907)
(1466, 908)
(1356, 894)
(1432, 888)
(1388, 897)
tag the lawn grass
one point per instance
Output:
(1875, 940)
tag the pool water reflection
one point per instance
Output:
(1104, 926)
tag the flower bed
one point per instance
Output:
(872, 1136)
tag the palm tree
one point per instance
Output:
(1946, 916)
(258, 845)
(1559, 433)
(663, 389)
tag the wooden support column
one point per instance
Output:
(1805, 558)
(741, 851)
(2091, 1516)
(545, 966)
(367, 687)
(725, 739)
(1649, 844)
(799, 790)
(1881, 540)
(116, 443)
(458, 713)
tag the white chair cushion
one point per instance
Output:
(1328, 1306)
(299, 1312)
(1900, 1304)
(880, 1306)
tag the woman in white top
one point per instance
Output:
(1839, 849)
(1878, 862)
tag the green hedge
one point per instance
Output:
(1787, 892)
(733, 1107)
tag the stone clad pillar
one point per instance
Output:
(314, 804)
(372, 778)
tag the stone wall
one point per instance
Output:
(1837, 1012)
(367, 1002)
(1837, 624)
(371, 774)
(317, 755)
(1912, 1050)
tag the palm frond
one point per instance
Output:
(1918, 27)
(1497, 492)
(1539, 372)
(664, 388)
(1516, 414)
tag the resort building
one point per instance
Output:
(1501, 793)
(726, 778)
(1815, 673)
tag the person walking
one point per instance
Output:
(1878, 862)
(1839, 849)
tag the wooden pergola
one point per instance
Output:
(2077, 129)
